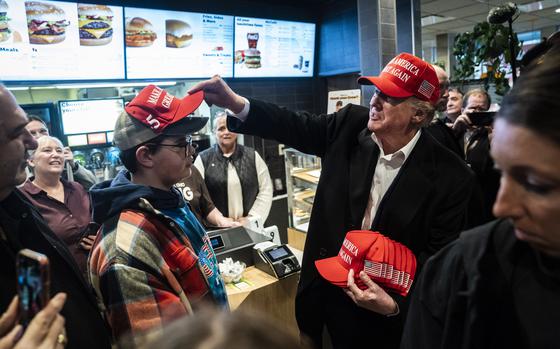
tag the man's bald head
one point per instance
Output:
(15, 141)
(443, 79)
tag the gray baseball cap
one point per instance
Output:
(155, 112)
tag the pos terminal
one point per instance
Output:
(276, 260)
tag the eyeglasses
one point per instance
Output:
(388, 99)
(188, 146)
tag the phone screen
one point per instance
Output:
(482, 118)
(32, 284)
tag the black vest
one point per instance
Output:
(215, 176)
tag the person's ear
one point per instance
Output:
(418, 117)
(144, 157)
(30, 162)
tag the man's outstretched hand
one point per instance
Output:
(217, 92)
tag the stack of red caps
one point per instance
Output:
(389, 264)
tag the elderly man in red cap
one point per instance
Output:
(380, 172)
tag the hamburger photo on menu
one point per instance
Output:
(46, 23)
(252, 58)
(4, 27)
(96, 24)
(178, 34)
(139, 33)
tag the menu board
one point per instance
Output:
(53, 40)
(272, 48)
(90, 116)
(170, 44)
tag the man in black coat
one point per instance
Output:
(438, 128)
(21, 226)
(389, 177)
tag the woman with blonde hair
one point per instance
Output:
(64, 205)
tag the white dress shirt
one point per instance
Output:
(386, 170)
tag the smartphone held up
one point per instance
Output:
(482, 118)
(33, 283)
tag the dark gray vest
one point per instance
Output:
(215, 176)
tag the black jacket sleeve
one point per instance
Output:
(435, 293)
(309, 133)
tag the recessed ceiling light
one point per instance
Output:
(435, 19)
(538, 5)
(557, 10)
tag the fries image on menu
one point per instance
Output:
(46, 23)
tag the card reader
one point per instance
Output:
(276, 260)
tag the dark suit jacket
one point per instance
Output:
(445, 136)
(425, 207)
(24, 227)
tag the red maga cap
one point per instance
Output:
(388, 263)
(154, 112)
(404, 76)
(158, 109)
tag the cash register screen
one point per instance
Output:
(217, 242)
(277, 253)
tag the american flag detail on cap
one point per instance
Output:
(426, 89)
(399, 281)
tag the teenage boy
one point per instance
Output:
(152, 261)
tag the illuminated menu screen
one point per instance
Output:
(90, 116)
(271, 48)
(169, 44)
(53, 40)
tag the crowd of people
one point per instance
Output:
(131, 263)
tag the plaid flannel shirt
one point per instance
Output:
(143, 269)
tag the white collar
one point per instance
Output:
(402, 153)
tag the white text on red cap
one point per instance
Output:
(351, 248)
(154, 123)
(403, 76)
(156, 93)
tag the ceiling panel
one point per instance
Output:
(470, 12)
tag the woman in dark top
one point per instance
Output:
(64, 205)
(498, 285)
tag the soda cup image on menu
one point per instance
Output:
(305, 67)
(252, 56)
(252, 39)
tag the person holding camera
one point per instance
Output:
(474, 134)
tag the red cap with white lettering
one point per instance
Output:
(356, 245)
(389, 264)
(405, 76)
(154, 112)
